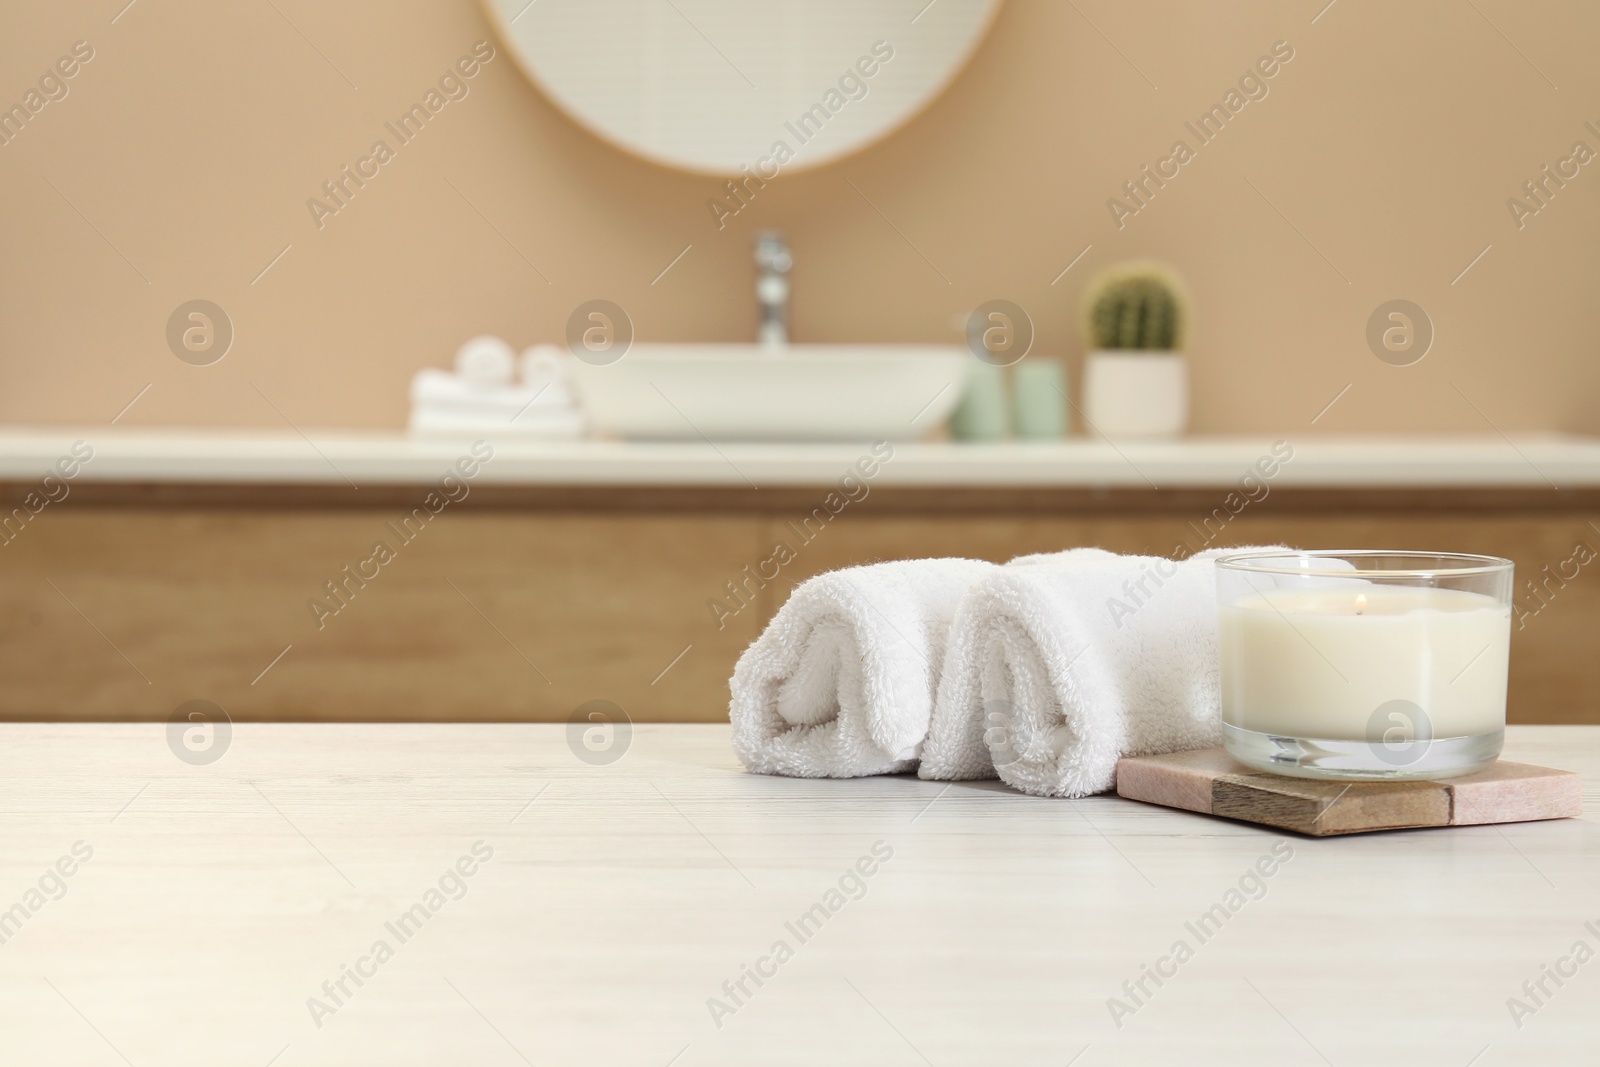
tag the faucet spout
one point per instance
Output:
(773, 262)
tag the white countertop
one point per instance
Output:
(990, 927)
(335, 457)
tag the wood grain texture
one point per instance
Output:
(170, 603)
(1325, 808)
(481, 617)
(620, 897)
(1212, 782)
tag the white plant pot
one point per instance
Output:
(1128, 393)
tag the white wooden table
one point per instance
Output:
(619, 898)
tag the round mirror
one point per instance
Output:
(720, 86)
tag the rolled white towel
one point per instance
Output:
(544, 366)
(957, 748)
(1058, 666)
(841, 683)
(486, 361)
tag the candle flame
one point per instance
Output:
(1361, 603)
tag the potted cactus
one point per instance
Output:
(1135, 380)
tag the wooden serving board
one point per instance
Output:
(1211, 781)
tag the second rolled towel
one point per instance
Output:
(1059, 665)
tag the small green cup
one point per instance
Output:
(1041, 406)
(983, 414)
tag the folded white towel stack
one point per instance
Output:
(842, 682)
(1057, 666)
(480, 397)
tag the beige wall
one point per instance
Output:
(1391, 143)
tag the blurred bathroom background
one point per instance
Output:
(1383, 159)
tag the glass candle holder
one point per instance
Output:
(1364, 665)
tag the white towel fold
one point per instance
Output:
(443, 391)
(533, 424)
(1057, 666)
(841, 683)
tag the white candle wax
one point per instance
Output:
(1317, 663)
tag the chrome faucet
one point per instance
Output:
(772, 288)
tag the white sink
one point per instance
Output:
(726, 392)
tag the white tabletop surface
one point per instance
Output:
(336, 457)
(619, 898)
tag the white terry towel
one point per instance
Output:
(841, 684)
(1057, 666)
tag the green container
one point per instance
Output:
(1041, 405)
(983, 414)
